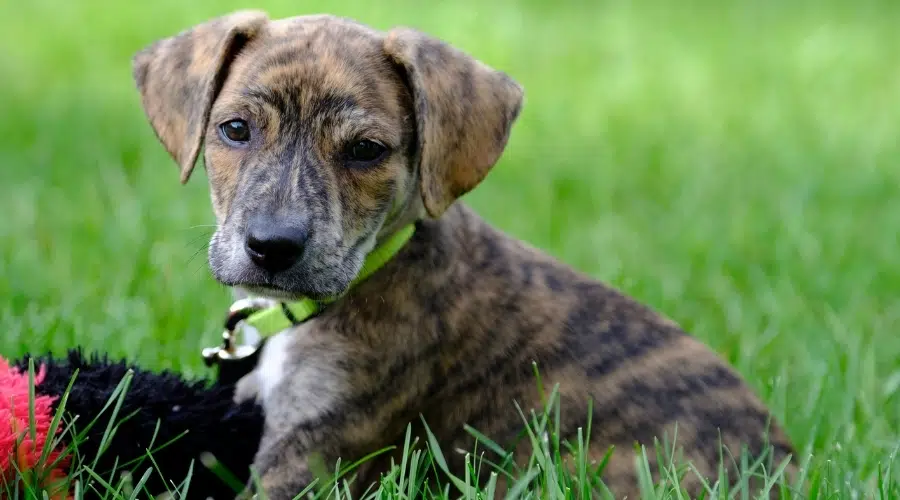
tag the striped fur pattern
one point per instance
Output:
(449, 329)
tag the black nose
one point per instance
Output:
(275, 246)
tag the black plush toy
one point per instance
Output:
(185, 418)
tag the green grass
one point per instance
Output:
(543, 476)
(733, 164)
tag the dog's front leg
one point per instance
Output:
(301, 383)
(285, 466)
(281, 468)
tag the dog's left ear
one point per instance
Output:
(464, 112)
(179, 78)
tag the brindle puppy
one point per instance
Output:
(322, 137)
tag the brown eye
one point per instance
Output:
(365, 151)
(235, 131)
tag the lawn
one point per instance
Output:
(733, 164)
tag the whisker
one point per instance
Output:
(198, 269)
(195, 239)
(196, 253)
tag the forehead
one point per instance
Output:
(314, 57)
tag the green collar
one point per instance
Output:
(279, 317)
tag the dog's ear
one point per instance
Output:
(179, 78)
(464, 111)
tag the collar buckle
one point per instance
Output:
(230, 356)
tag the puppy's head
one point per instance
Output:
(321, 136)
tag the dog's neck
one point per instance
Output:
(407, 213)
(441, 249)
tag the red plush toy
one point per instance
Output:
(22, 444)
(185, 425)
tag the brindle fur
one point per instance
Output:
(448, 330)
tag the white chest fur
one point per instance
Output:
(272, 363)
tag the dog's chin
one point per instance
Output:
(270, 292)
(288, 288)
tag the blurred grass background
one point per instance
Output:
(734, 164)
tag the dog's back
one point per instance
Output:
(502, 308)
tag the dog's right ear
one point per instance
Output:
(464, 112)
(179, 78)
